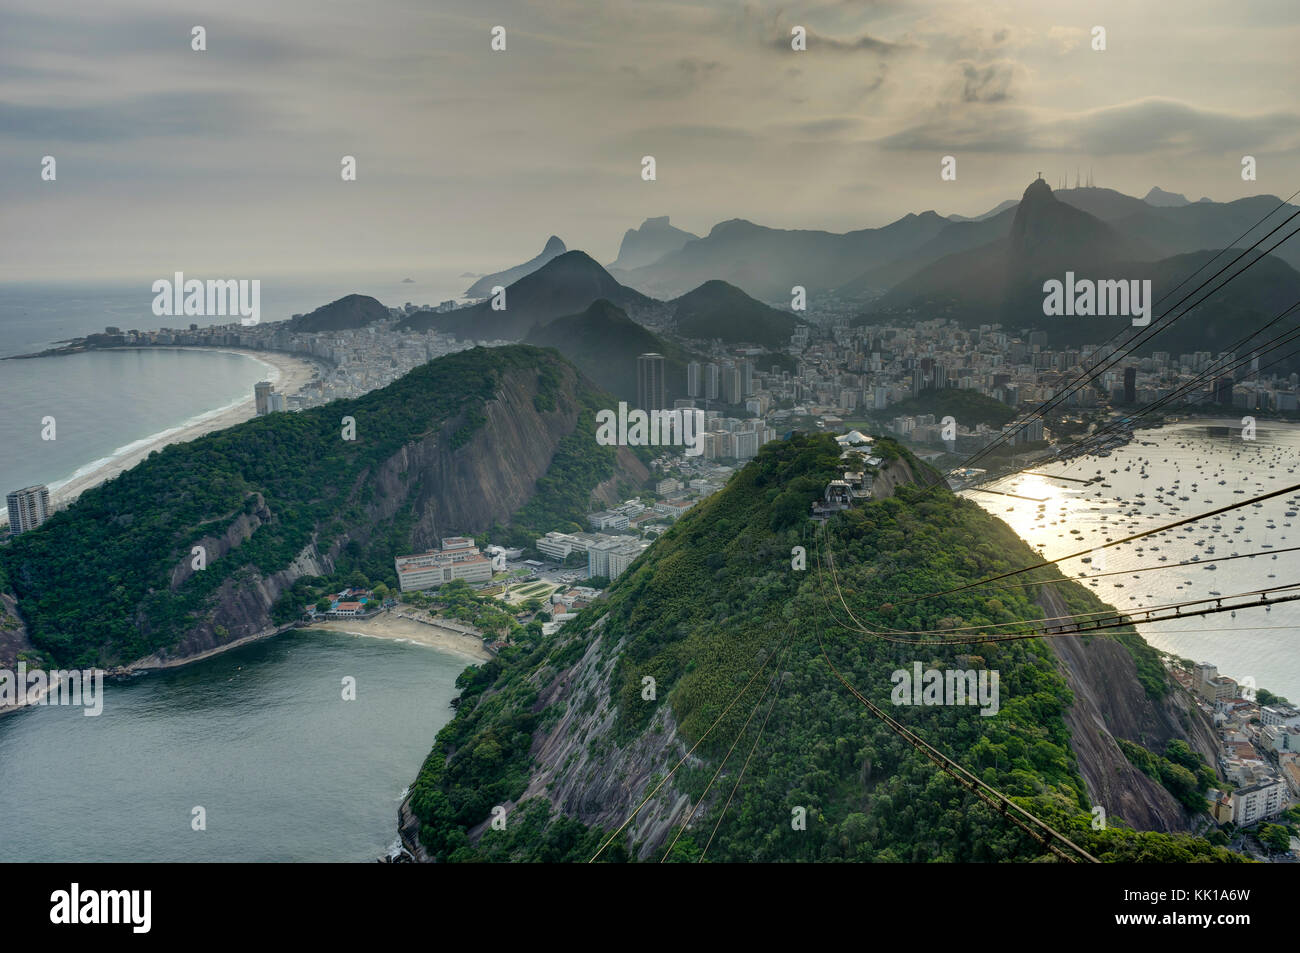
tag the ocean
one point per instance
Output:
(260, 738)
(1167, 474)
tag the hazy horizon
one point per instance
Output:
(227, 161)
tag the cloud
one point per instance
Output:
(1146, 126)
(819, 42)
(987, 84)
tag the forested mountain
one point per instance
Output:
(604, 343)
(499, 437)
(350, 311)
(717, 310)
(711, 654)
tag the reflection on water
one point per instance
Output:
(1162, 476)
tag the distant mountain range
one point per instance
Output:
(566, 286)
(563, 286)
(1049, 236)
(865, 263)
(989, 268)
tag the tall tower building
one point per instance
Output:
(1223, 390)
(650, 392)
(28, 508)
(730, 384)
(746, 379)
(693, 379)
(711, 381)
(1130, 385)
(262, 392)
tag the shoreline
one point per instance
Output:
(400, 629)
(288, 372)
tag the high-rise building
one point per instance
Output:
(1223, 390)
(1130, 385)
(693, 379)
(730, 384)
(262, 392)
(711, 381)
(650, 392)
(28, 508)
(746, 379)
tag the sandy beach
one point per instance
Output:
(388, 626)
(287, 372)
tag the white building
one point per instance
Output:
(1279, 715)
(28, 508)
(1257, 802)
(459, 558)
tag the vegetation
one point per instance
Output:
(714, 608)
(458, 600)
(109, 579)
(967, 407)
(1182, 771)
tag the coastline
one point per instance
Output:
(287, 371)
(400, 629)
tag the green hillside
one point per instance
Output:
(968, 407)
(718, 310)
(708, 610)
(93, 582)
(603, 342)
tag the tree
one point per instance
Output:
(323, 605)
(381, 591)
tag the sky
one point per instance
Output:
(226, 162)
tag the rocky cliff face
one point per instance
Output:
(1110, 703)
(13, 633)
(451, 492)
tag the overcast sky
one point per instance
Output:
(226, 163)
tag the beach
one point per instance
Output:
(287, 372)
(389, 626)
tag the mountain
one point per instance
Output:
(1047, 237)
(565, 285)
(768, 262)
(996, 210)
(604, 343)
(1002, 281)
(483, 287)
(710, 654)
(1106, 204)
(959, 236)
(286, 506)
(718, 310)
(647, 244)
(1162, 199)
(351, 311)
